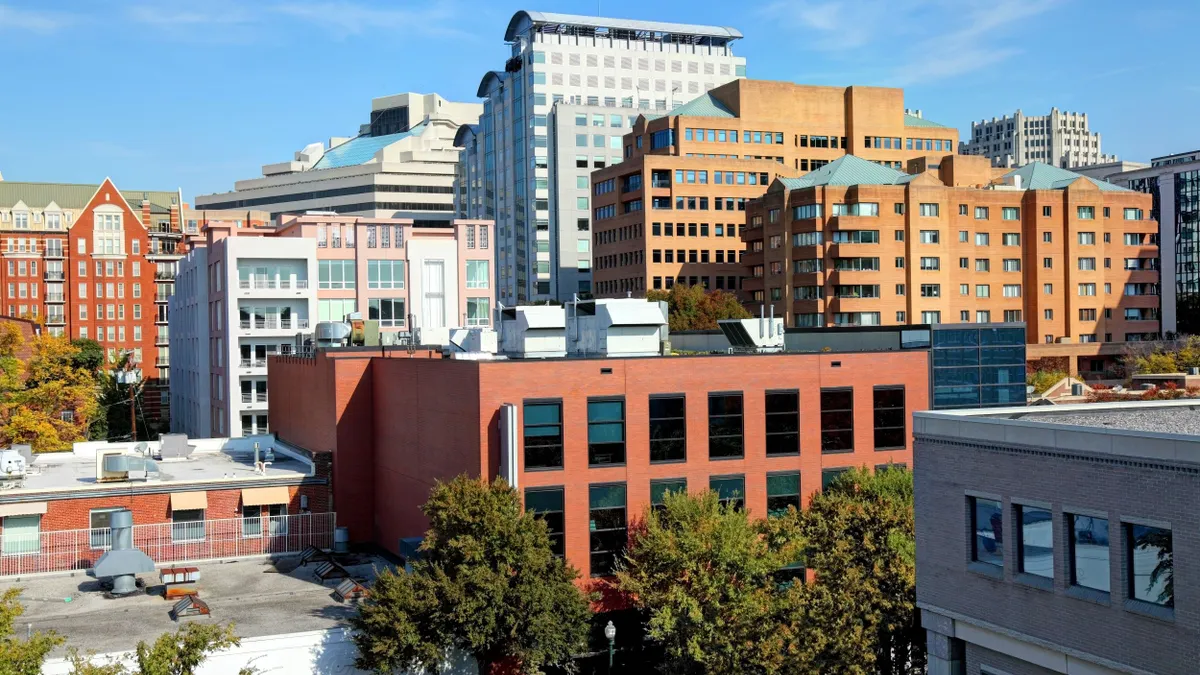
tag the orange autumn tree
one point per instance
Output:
(45, 401)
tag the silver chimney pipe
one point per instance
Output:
(762, 310)
(771, 325)
(122, 562)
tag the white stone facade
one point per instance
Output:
(562, 66)
(1060, 138)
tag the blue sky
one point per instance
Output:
(199, 93)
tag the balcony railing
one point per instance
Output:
(249, 397)
(55, 319)
(271, 323)
(269, 284)
(162, 361)
(54, 253)
(54, 297)
(54, 276)
(660, 183)
(64, 550)
(254, 363)
(165, 276)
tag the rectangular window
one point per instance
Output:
(21, 534)
(929, 236)
(187, 525)
(1036, 541)
(607, 527)
(837, 420)
(783, 491)
(336, 274)
(1087, 238)
(981, 213)
(930, 210)
(987, 541)
(982, 239)
(1086, 212)
(889, 418)
(546, 504)
(725, 425)
(1010, 213)
(783, 422)
(543, 435)
(829, 476)
(477, 274)
(668, 428)
(606, 432)
(390, 273)
(1133, 214)
(731, 490)
(660, 488)
(1149, 561)
(1087, 539)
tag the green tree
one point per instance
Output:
(486, 584)
(858, 615)
(692, 308)
(178, 653)
(21, 657)
(52, 403)
(90, 356)
(703, 573)
(1041, 380)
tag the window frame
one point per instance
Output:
(557, 549)
(788, 496)
(1019, 512)
(875, 392)
(850, 430)
(740, 499)
(741, 416)
(187, 526)
(107, 531)
(594, 531)
(778, 415)
(590, 423)
(524, 437)
(652, 420)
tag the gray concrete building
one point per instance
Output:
(557, 111)
(1046, 539)
(1060, 139)
(1174, 181)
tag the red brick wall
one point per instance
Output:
(635, 379)
(428, 428)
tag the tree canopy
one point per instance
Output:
(47, 401)
(704, 574)
(718, 593)
(692, 308)
(486, 583)
(21, 657)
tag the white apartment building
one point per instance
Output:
(400, 165)
(240, 299)
(532, 151)
(1060, 139)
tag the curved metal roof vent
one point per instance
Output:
(123, 562)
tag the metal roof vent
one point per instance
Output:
(123, 562)
(175, 446)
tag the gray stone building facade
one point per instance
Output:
(1060, 139)
(1046, 539)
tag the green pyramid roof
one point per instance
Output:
(1042, 176)
(848, 170)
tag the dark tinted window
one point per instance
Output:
(1149, 555)
(606, 521)
(890, 418)
(725, 425)
(729, 489)
(543, 436)
(987, 527)
(837, 420)
(606, 432)
(1036, 542)
(668, 428)
(659, 489)
(783, 490)
(783, 423)
(547, 505)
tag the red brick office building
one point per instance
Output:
(591, 442)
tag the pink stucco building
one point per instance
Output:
(244, 293)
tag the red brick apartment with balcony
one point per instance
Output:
(591, 442)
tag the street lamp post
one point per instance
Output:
(610, 632)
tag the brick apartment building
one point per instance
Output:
(214, 503)
(1059, 539)
(92, 261)
(673, 210)
(854, 243)
(591, 442)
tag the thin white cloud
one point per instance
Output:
(921, 40)
(346, 19)
(184, 16)
(14, 19)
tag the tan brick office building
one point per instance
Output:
(855, 243)
(673, 210)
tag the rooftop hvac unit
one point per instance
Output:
(123, 562)
(331, 334)
(12, 464)
(175, 446)
(753, 335)
(114, 465)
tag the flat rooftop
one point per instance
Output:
(212, 460)
(261, 597)
(1163, 430)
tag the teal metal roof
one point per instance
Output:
(705, 105)
(914, 121)
(848, 170)
(362, 149)
(1042, 176)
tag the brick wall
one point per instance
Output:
(945, 471)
